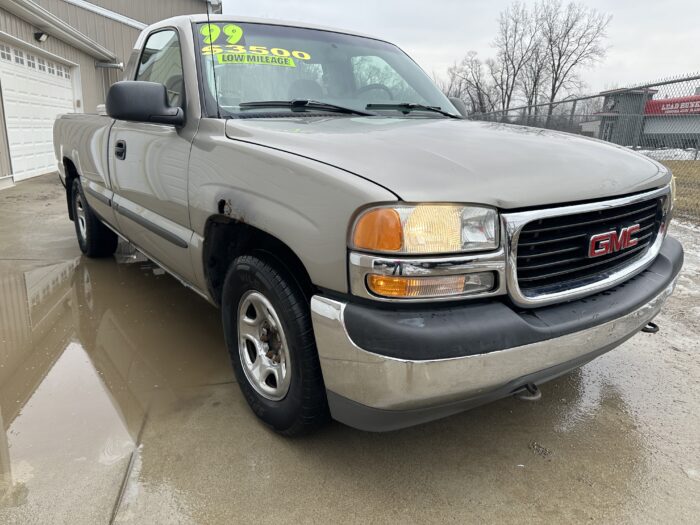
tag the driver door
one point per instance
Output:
(149, 165)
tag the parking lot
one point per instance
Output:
(117, 404)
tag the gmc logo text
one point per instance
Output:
(611, 242)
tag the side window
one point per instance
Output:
(161, 62)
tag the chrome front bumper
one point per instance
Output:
(386, 385)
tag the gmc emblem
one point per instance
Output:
(611, 242)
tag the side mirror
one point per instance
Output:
(459, 105)
(140, 101)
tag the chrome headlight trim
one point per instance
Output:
(513, 223)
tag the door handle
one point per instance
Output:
(120, 149)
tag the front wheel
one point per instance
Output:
(267, 326)
(94, 238)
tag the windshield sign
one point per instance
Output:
(246, 63)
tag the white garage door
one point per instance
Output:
(34, 91)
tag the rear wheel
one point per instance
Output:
(270, 340)
(94, 238)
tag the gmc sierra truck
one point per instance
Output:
(377, 257)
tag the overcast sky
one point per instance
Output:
(648, 39)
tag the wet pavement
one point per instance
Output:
(117, 404)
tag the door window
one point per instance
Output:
(161, 62)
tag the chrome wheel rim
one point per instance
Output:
(262, 347)
(80, 212)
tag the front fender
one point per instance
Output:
(304, 203)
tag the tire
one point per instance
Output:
(287, 391)
(94, 238)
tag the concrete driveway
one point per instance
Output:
(117, 404)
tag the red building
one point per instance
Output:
(672, 122)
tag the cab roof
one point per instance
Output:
(199, 18)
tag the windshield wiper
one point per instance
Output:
(303, 105)
(407, 107)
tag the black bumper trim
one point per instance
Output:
(439, 332)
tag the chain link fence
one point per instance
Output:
(661, 120)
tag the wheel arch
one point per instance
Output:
(226, 238)
(71, 174)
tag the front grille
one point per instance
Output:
(554, 250)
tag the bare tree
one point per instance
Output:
(479, 94)
(453, 85)
(517, 38)
(540, 51)
(573, 37)
(535, 72)
(534, 78)
(499, 80)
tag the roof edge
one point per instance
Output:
(108, 13)
(231, 17)
(46, 21)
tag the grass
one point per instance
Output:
(687, 174)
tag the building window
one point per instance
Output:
(66, 71)
(52, 68)
(59, 70)
(5, 52)
(31, 61)
(19, 57)
(42, 64)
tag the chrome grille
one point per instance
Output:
(549, 246)
(554, 250)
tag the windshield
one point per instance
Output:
(244, 63)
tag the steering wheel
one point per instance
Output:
(370, 87)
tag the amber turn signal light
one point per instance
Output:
(379, 230)
(439, 286)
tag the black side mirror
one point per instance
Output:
(140, 101)
(459, 105)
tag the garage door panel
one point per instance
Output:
(32, 99)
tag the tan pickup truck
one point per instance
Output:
(377, 257)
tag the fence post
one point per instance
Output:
(572, 114)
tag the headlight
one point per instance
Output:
(426, 229)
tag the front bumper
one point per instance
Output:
(387, 369)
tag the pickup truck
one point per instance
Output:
(377, 257)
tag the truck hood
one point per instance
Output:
(449, 160)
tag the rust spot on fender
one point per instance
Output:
(225, 207)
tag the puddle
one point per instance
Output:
(87, 350)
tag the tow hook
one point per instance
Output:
(650, 328)
(529, 392)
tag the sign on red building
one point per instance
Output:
(673, 106)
